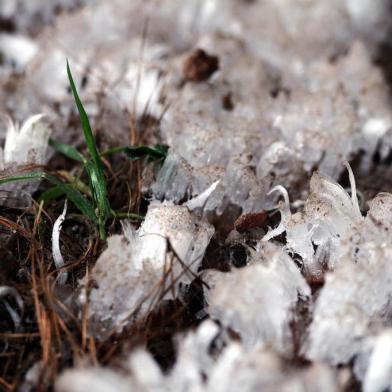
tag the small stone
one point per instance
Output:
(227, 102)
(251, 220)
(199, 66)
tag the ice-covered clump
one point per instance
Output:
(138, 268)
(238, 190)
(320, 129)
(224, 114)
(26, 144)
(355, 302)
(287, 121)
(280, 163)
(374, 365)
(194, 360)
(198, 369)
(216, 130)
(239, 187)
(194, 363)
(262, 370)
(175, 180)
(17, 51)
(289, 30)
(23, 146)
(256, 101)
(97, 379)
(258, 301)
(365, 240)
(325, 112)
(316, 232)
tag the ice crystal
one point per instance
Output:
(378, 375)
(17, 51)
(57, 256)
(140, 268)
(329, 214)
(355, 300)
(288, 98)
(25, 145)
(198, 371)
(236, 187)
(271, 283)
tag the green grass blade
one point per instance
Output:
(94, 167)
(88, 134)
(51, 194)
(24, 177)
(67, 150)
(99, 193)
(81, 203)
(74, 195)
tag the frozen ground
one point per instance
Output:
(264, 261)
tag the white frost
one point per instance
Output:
(57, 256)
(25, 145)
(18, 49)
(329, 214)
(379, 373)
(232, 369)
(201, 200)
(355, 300)
(140, 268)
(15, 316)
(258, 301)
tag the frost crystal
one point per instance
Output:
(328, 215)
(194, 359)
(18, 50)
(259, 300)
(355, 300)
(23, 146)
(57, 256)
(140, 268)
(236, 187)
(95, 379)
(378, 376)
(297, 90)
(197, 370)
(27, 144)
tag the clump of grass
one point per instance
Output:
(93, 166)
(91, 200)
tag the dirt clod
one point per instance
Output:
(199, 66)
(250, 221)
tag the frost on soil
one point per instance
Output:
(140, 268)
(257, 101)
(355, 302)
(258, 302)
(197, 370)
(316, 233)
